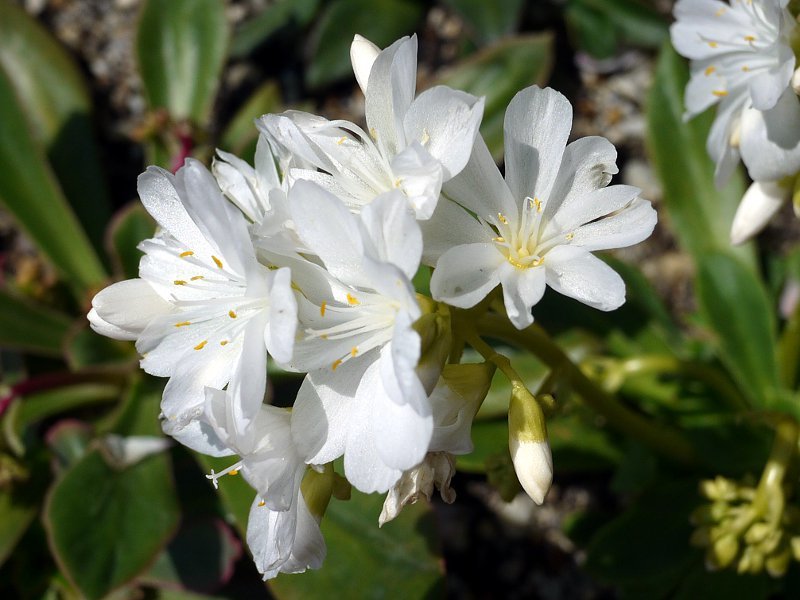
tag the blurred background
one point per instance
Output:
(93, 91)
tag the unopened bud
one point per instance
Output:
(435, 340)
(778, 562)
(724, 551)
(317, 489)
(752, 561)
(527, 442)
(796, 81)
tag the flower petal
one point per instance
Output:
(449, 226)
(479, 186)
(362, 55)
(124, 309)
(587, 165)
(536, 127)
(626, 227)
(770, 140)
(395, 234)
(522, 289)
(445, 122)
(465, 275)
(390, 91)
(574, 272)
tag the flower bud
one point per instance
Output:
(527, 442)
(435, 340)
(317, 489)
(778, 562)
(796, 81)
(724, 551)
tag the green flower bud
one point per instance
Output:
(724, 551)
(778, 563)
(317, 489)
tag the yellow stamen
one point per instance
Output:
(234, 472)
(179, 282)
(262, 503)
(201, 345)
(196, 277)
(217, 261)
(569, 236)
(323, 336)
(538, 262)
(341, 140)
(538, 204)
(745, 68)
(183, 324)
(749, 38)
(720, 12)
(352, 299)
(713, 44)
(709, 70)
(373, 134)
(223, 343)
(231, 314)
(720, 93)
(499, 240)
(354, 351)
(185, 254)
(503, 220)
(322, 308)
(336, 363)
(426, 137)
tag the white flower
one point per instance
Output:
(362, 397)
(205, 311)
(742, 60)
(412, 145)
(283, 535)
(287, 541)
(454, 402)
(540, 224)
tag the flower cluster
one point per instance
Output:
(742, 61)
(308, 258)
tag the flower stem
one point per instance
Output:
(667, 442)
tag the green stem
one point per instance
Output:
(789, 350)
(666, 441)
(669, 364)
(769, 496)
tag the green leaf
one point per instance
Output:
(645, 552)
(181, 46)
(278, 15)
(16, 514)
(106, 526)
(498, 72)
(701, 214)
(241, 135)
(736, 306)
(36, 407)
(30, 327)
(590, 30)
(380, 21)
(395, 561)
(201, 557)
(487, 21)
(58, 109)
(600, 25)
(130, 225)
(86, 349)
(32, 195)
